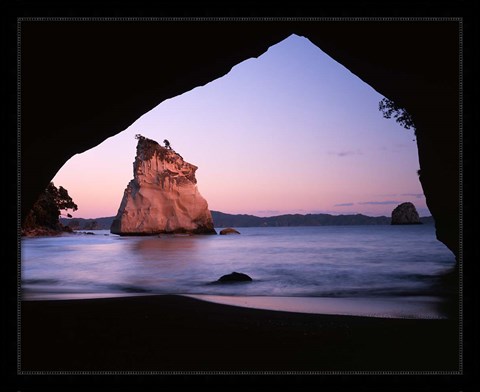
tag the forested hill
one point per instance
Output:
(230, 220)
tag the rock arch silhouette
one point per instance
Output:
(85, 81)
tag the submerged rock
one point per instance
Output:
(229, 231)
(235, 277)
(163, 196)
(405, 214)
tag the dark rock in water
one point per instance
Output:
(67, 229)
(40, 232)
(228, 231)
(235, 277)
(405, 214)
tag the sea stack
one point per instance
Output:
(163, 196)
(405, 214)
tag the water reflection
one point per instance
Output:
(306, 262)
(163, 258)
(154, 247)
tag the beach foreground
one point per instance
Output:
(177, 333)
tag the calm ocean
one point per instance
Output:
(398, 267)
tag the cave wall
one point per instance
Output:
(417, 65)
(82, 82)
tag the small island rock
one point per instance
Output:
(405, 214)
(235, 277)
(228, 231)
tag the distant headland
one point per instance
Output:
(222, 219)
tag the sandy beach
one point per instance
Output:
(177, 333)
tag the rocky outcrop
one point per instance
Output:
(163, 196)
(229, 231)
(235, 277)
(405, 214)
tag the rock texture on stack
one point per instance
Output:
(163, 196)
(405, 214)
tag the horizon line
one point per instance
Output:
(269, 216)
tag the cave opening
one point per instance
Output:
(426, 82)
(431, 68)
(289, 132)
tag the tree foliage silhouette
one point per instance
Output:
(46, 210)
(390, 109)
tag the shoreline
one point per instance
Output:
(402, 307)
(179, 333)
(410, 307)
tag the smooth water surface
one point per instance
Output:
(381, 262)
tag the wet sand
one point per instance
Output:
(177, 333)
(410, 307)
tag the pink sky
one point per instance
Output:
(290, 132)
